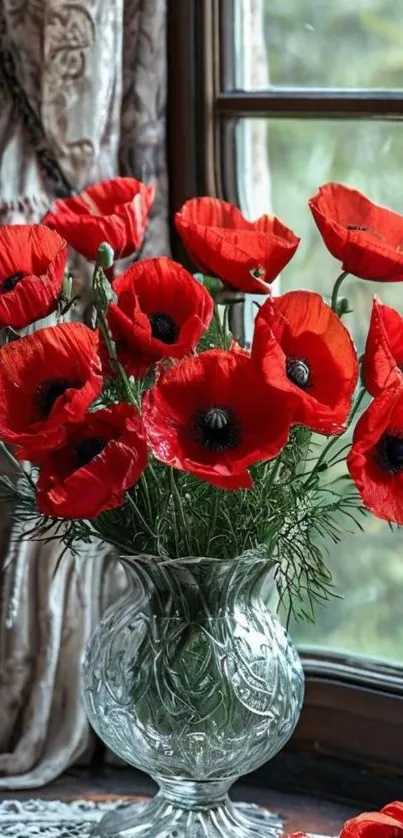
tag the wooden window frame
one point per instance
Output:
(352, 721)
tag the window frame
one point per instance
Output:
(353, 711)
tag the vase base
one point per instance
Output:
(161, 819)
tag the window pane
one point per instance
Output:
(291, 158)
(319, 43)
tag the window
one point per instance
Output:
(271, 98)
(295, 53)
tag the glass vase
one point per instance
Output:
(192, 679)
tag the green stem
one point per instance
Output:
(334, 439)
(213, 520)
(357, 404)
(102, 323)
(336, 289)
(144, 488)
(141, 518)
(225, 323)
(16, 464)
(116, 365)
(221, 328)
(320, 460)
(273, 474)
(178, 503)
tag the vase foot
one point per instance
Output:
(162, 819)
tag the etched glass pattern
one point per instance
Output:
(192, 679)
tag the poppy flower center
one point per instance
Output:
(9, 283)
(298, 372)
(163, 327)
(87, 449)
(50, 390)
(390, 453)
(217, 429)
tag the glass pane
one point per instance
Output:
(281, 163)
(319, 43)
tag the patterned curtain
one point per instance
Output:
(82, 98)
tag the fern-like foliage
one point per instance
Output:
(299, 502)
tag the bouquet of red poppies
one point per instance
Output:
(155, 429)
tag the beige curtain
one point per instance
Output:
(82, 98)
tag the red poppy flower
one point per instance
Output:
(221, 242)
(365, 237)
(394, 810)
(212, 415)
(102, 456)
(47, 381)
(32, 263)
(383, 359)
(114, 211)
(161, 311)
(375, 461)
(388, 823)
(303, 348)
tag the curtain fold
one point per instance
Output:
(82, 99)
(142, 144)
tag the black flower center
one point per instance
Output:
(163, 327)
(217, 429)
(390, 453)
(298, 372)
(9, 283)
(50, 390)
(87, 449)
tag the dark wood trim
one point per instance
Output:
(318, 104)
(351, 722)
(226, 19)
(327, 778)
(348, 669)
(193, 82)
(193, 134)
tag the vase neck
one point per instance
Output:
(194, 795)
(198, 589)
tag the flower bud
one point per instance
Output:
(105, 255)
(343, 306)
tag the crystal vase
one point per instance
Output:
(192, 678)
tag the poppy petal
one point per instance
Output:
(383, 358)
(365, 237)
(372, 825)
(394, 810)
(301, 347)
(197, 419)
(115, 211)
(32, 264)
(101, 457)
(47, 381)
(161, 312)
(245, 254)
(374, 459)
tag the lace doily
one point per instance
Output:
(51, 818)
(54, 819)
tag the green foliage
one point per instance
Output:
(291, 510)
(217, 335)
